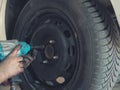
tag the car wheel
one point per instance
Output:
(80, 45)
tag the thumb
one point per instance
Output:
(15, 50)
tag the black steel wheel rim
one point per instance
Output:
(56, 62)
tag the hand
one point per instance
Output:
(11, 66)
(29, 58)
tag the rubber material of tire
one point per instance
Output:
(13, 10)
(100, 41)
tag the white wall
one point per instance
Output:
(2, 19)
(116, 6)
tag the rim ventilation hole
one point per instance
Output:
(57, 23)
(71, 51)
(69, 68)
(67, 34)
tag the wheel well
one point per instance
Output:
(106, 4)
(13, 10)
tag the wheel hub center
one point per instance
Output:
(49, 51)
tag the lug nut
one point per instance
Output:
(36, 82)
(52, 41)
(47, 21)
(50, 83)
(55, 57)
(45, 62)
(60, 80)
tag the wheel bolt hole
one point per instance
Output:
(67, 34)
(69, 68)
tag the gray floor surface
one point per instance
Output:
(117, 87)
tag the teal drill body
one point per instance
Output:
(7, 46)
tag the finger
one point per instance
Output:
(28, 58)
(15, 51)
(20, 65)
(20, 59)
(20, 70)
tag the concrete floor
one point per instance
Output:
(7, 88)
(117, 87)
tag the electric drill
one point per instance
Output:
(5, 48)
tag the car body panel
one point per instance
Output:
(2, 19)
(116, 6)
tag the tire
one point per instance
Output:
(85, 37)
(13, 9)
